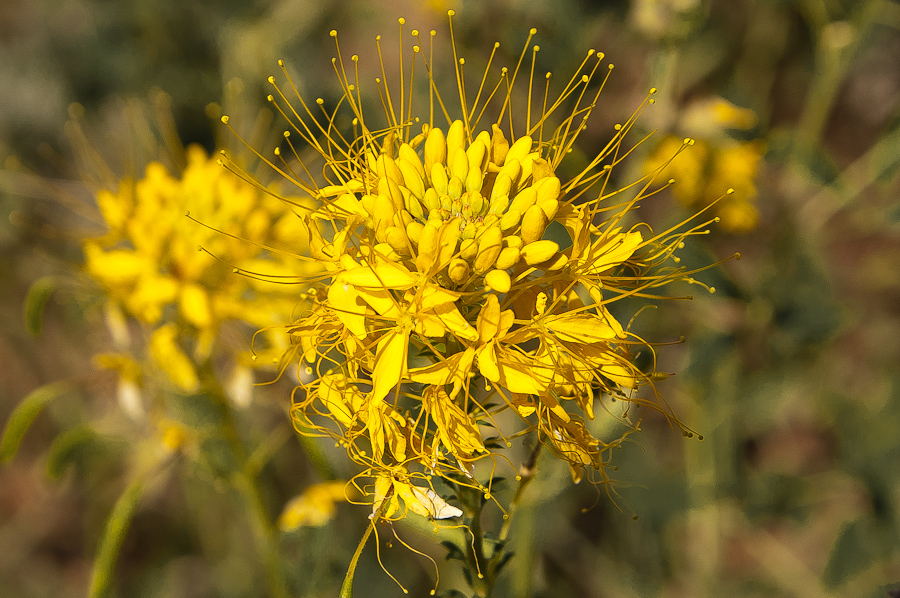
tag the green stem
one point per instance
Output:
(347, 586)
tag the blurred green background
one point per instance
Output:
(791, 370)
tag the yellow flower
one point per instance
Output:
(150, 268)
(712, 162)
(462, 275)
(314, 507)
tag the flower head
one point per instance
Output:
(179, 276)
(464, 274)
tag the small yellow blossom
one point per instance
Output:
(711, 163)
(184, 276)
(315, 507)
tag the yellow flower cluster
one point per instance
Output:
(714, 161)
(467, 285)
(174, 273)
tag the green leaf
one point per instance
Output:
(67, 447)
(23, 415)
(113, 535)
(35, 302)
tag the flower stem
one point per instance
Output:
(347, 586)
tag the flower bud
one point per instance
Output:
(490, 243)
(458, 270)
(539, 251)
(534, 222)
(519, 149)
(439, 178)
(499, 146)
(435, 149)
(498, 280)
(507, 258)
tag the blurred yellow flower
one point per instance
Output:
(712, 162)
(314, 507)
(184, 276)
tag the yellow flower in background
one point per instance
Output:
(467, 269)
(184, 276)
(315, 507)
(713, 162)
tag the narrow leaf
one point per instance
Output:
(66, 448)
(113, 535)
(35, 302)
(24, 414)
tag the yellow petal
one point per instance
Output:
(349, 307)
(390, 362)
(171, 359)
(612, 251)
(385, 275)
(194, 305)
(580, 328)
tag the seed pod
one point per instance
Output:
(490, 243)
(534, 223)
(498, 280)
(539, 251)
(458, 270)
(507, 258)
(435, 149)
